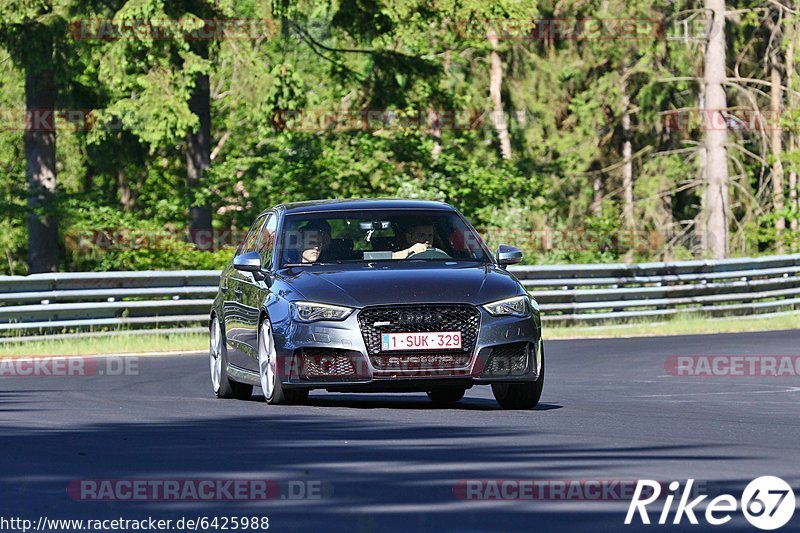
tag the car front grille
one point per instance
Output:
(507, 360)
(417, 319)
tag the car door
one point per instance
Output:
(255, 292)
(236, 313)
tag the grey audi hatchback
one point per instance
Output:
(373, 296)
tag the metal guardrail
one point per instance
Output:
(91, 300)
(592, 293)
(55, 303)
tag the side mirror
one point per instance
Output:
(250, 262)
(508, 255)
(247, 262)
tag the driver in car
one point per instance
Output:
(315, 237)
(422, 237)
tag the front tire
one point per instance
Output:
(519, 396)
(221, 384)
(273, 389)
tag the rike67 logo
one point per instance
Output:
(767, 502)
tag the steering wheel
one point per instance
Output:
(430, 253)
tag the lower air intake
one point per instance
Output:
(330, 363)
(507, 360)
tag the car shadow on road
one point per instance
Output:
(395, 401)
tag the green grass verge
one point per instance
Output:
(113, 344)
(682, 325)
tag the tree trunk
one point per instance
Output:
(776, 147)
(40, 154)
(716, 193)
(597, 196)
(792, 141)
(701, 159)
(793, 190)
(198, 161)
(627, 161)
(436, 133)
(495, 86)
(126, 199)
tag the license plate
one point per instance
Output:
(434, 340)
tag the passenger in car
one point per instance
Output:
(315, 238)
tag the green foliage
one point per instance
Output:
(335, 99)
(106, 239)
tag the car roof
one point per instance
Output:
(356, 204)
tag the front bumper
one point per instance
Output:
(333, 355)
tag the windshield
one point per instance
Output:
(367, 236)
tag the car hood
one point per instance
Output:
(382, 283)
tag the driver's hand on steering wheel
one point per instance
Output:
(415, 249)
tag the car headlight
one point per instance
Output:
(516, 306)
(311, 311)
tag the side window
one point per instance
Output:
(267, 242)
(250, 240)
